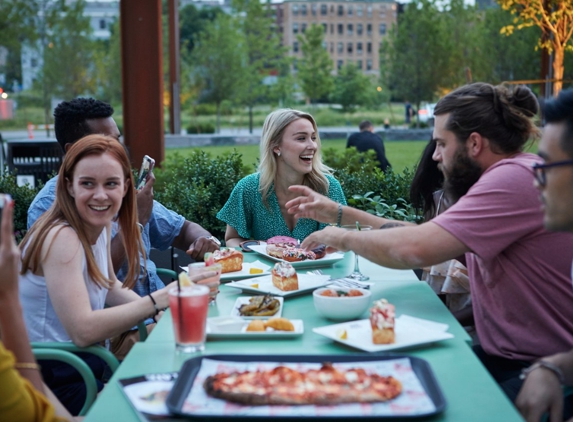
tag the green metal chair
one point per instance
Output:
(46, 353)
(96, 350)
(167, 272)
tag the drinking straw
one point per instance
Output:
(179, 308)
(358, 226)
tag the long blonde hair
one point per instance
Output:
(64, 211)
(272, 136)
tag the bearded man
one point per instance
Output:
(519, 272)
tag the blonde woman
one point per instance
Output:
(67, 274)
(289, 155)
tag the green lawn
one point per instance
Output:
(401, 154)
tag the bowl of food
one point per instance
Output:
(341, 304)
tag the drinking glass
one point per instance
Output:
(356, 274)
(213, 283)
(189, 307)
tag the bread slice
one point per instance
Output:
(382, 316)
(284, 277)
(230, 259)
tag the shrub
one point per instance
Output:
(201, 128)
(198, 186)
(23, 197)
(401, 210)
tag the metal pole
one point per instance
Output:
(174, 73)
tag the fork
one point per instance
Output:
(349, 283)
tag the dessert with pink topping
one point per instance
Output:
(382, 316)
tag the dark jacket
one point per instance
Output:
(363, 141)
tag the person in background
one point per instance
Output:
(160, 227)
(290, 155)
(542, 390)
(448, 279)
(22, 392)
(67, 276)
(366, 140)
(519, 272)
(409, 112)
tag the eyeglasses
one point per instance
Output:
(539, 170)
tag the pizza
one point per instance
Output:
(286, 386)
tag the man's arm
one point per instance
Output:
(542, 392)
(400, 248)
(194, 239)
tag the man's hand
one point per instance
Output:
(329, 236)
(312, 205)
(540, 393)
(145, 200)
(200, 247)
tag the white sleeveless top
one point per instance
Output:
(42, 323)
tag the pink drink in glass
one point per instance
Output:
(189, 313)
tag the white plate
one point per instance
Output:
(241, 332)
(328, 260)
(244, 273)
(410, 331)
(306, 284)
(244, 300)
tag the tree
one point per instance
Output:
(192, 22)
(107, 59)
(218, 59)
(352, 88)
(414, 58)
(264, 52)
(315, 67)
(555, 18)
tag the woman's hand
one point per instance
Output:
(9, 252)
(162, 296)
(312, 205)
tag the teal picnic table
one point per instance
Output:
(470, 392)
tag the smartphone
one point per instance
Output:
(245, 245)
(4, 199)
(146, 168)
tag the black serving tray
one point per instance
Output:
(191, 367)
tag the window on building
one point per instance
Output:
(359, 64)
(340, 10)
(295, 28)
(350, 10)
(332, 47)
(368, 64)
(339, 64)
(332, 28)
(295, 47)
(102, 24)
(350, 30)
(295, 9)
(340, 48)
(359, 29)
(340, 29)
(369, 29)
(359, 48)
(359, 11)
(331, 8)
(295, 65)
(382, 10)
(382, 29)
(349, 48)
(369, 11)
(369, 48)
(323, 9)
(303, 10)
(303, 28)
(325, 45)
(324, 28)
(313, 9)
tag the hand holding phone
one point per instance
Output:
(146, 168)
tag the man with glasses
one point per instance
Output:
(519, 272)
(542, 390)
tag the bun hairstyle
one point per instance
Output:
(503, 115)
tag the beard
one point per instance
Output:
(462, 175)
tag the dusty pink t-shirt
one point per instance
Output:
(519, 272)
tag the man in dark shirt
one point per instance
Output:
(366, 139)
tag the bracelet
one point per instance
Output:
(141, 228)
(544, 364)
(27, 365)
(339, 218)
(157, 310)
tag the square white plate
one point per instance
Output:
(244, 300)
(244, 273)
(328, 260)
(306, 284)
(410, 331)
(242, 333)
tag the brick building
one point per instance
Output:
(353, 30)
